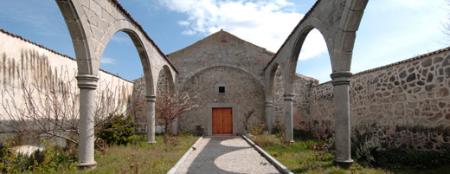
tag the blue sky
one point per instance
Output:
(391, 30)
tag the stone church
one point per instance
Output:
(226, 74)
(403, 104)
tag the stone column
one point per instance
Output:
(174, 126)
(151, 118)
(269, 115)
(341, 83)
(289, 117)
(87, 84)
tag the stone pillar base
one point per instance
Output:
(344, 164)
(289, 117)
(151, 142)
(87, 166)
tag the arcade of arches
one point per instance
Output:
(232, 77)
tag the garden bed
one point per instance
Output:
(143, 157)
(138, 157)
(310, 156)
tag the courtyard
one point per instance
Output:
(232, 86)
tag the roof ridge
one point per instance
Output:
(217, 33)
(52, 51)
(248, 42)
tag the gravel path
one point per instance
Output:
(225, 155)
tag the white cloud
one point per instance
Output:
(265, 23)
(108, 61)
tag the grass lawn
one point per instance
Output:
(137, 158)
(142, 157)
(307, 157)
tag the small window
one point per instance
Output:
(221, 89)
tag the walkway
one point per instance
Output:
(225, 155)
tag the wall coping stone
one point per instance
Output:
(53, 51)
(416, 58)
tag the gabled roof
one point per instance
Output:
(218, 35)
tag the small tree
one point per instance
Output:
(170, 106)
(49, 106)
(247, 117)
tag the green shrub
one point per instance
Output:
(403, 157)
(368, 148)
(300, 134)
(257, 129)
(265, 140)
(118, 129)
(51, 159)
(364, 146)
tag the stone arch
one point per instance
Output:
(167, 74)
(193, 74)
(74, 22)
(91, 25)
(293, 61)
(142, 52)
(165, 88)
(338, 22)
(270, 96)
(271, 80)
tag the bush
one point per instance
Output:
(401, 157)
(118, 130)
(368, 148)
(364, 146)
(51, 159)
(257, 129)
(265, 140)
(300, 134)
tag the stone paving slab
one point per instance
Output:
(225, 155)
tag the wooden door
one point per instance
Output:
(222, 121)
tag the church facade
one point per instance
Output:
(225, 76)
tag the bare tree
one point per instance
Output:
(170, 106)
(50, 107)
(247, 117)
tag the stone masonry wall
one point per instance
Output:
(138, 107)
(302, 88)
(405, 104)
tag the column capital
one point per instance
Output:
(150, 98)
(87, 81)
(341, 78)
(288, 97)
(268, 103)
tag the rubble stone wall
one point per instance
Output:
(405, 104)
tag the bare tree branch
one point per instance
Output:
(50, 106)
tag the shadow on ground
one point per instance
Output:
(225, 155)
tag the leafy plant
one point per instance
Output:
(51, 159)
(257, 129)
(119, 129)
